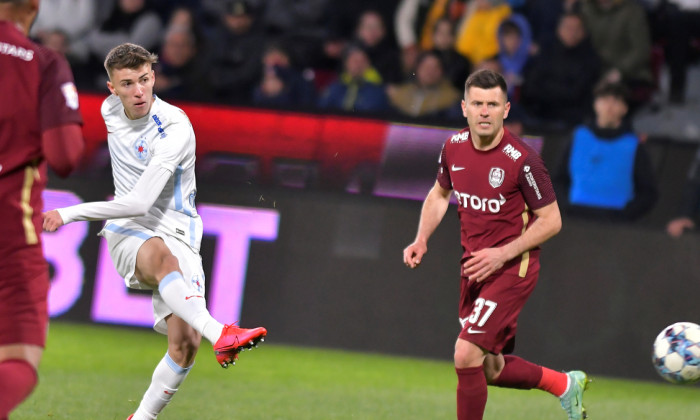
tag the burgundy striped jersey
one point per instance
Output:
(497, 191)
(37, 93)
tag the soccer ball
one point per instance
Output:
(676, 354)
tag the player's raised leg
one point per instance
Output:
(183, 342)
(514, 372)
(157, 266)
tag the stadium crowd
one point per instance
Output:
(407, 60)
(391, 58)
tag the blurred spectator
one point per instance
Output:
(490, 63)
(689, 208)
(186, 17)
(559, 81)
(606, 172)
(179, 73)
(680, 27)
(515, 41)
(544, 16)
(517, 5)
(359, 87)
(477, 36)
(415, 24)
(56, 40)
(128, 21)
(234, 58)
(457, 68)
(430, 94)
(620, 34)
(371, 35)
(282, 85)
(62, 26)
(299, 23)
(341, 18)
(167, 8)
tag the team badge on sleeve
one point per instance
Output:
(70, 93)
(141, 148)
(496, 176)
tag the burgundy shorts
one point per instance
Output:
(24, 288)
(489, 310)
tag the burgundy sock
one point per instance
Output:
(17, 380)
(471, 393)
(518, 373)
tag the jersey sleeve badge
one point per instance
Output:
(70, 93)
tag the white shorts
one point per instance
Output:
(125, 239)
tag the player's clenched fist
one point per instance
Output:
(52, 221)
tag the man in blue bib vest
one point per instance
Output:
(605, 171)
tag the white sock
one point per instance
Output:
(189, 305)
(167, 378)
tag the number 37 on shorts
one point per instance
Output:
(482, 311)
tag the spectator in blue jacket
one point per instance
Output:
(359, 87)
(606, 171)
(515, 47)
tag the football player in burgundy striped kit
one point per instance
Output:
(506, 209)
(39, 124)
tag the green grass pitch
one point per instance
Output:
(99, 373)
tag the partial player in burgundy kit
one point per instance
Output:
(39, 124)
(506, 209)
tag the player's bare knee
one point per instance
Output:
(465, 359)
(468, 355)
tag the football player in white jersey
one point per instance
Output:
(153, 230)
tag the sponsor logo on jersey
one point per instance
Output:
(512, 152)
(161, 130)
(141, 148)
(456, 168)
(531, 182)
(460, 137)
(70, 93)
(474, 202)
(15, 51)
(496, 176)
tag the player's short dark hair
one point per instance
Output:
(15, 2)
(486, 79)
(128, 56)
(616, 90)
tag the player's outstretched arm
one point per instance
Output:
(485, 262)
(434, 209)
(134, 204)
